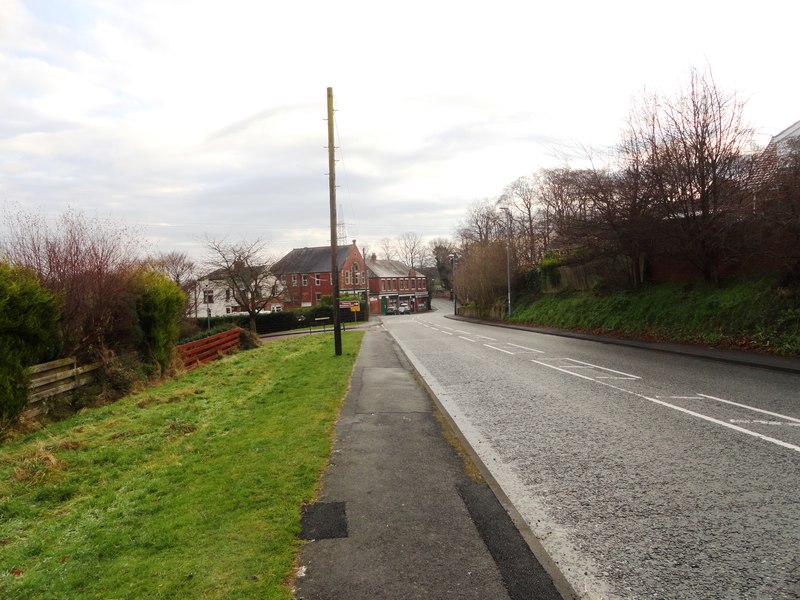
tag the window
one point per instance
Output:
(294, 279)
(304, 278)
(413, 284)
(317, 279)
(347, 277)
(208, 296)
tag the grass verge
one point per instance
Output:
(191, 489)
(753, 313)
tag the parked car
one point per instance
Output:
(391, 310)
(403, 309)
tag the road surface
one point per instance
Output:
(643, 474)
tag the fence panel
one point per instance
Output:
(56, 377)
(208, 349)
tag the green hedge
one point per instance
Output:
(282, 321)
(28, 335)
(159, 304)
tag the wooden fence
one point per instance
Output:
(209, 348)
(56, 377)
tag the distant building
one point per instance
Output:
(392, 283)
(306, 273)
(215, 297)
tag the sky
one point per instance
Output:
(197, 119)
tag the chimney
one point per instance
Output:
(374, 257)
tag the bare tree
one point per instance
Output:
(483, 224)
(412, 249)
(183, 271)
(246, 269)
(693, 147)
(88, 263)
(441, 249)
(388, 249)
(522, 195)
(480, 276)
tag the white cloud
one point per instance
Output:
(198, 118)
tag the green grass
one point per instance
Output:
(191, 489)
(749, 313)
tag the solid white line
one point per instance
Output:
(526, 348)
(603, 368)
(466, 338)
(753, 408)
(498, 349)
(538, 362)
(683, 410)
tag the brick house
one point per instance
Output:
(392, 283)
(306, 273)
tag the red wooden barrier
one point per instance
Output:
(208, 349)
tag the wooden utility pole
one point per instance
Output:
(337, 328)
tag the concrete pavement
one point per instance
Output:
(399, 516)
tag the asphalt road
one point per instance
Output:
(643, 474)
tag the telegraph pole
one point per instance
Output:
(337, 329)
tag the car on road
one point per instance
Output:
(391, 310)
(403, 309)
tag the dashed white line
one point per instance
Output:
(466, 338)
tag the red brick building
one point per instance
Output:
(306, 273)
(391, 283)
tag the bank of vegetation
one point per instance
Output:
(189, 489)
(754, 313)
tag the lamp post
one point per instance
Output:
(508, 254)
(453, 280)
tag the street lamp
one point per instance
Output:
(508, 254)
(453, 280)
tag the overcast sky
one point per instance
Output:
(195, 118)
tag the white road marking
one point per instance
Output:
(679, 409)
(526, 348)
(680, 397)
(498, 349)
(753, 408)
(538, 362)
(446, 332)
(763, 422)
(466, 338)
(603, 368)
(484, 337)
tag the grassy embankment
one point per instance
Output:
(191, 489)
(749, 313)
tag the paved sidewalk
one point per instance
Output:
(398, 516)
